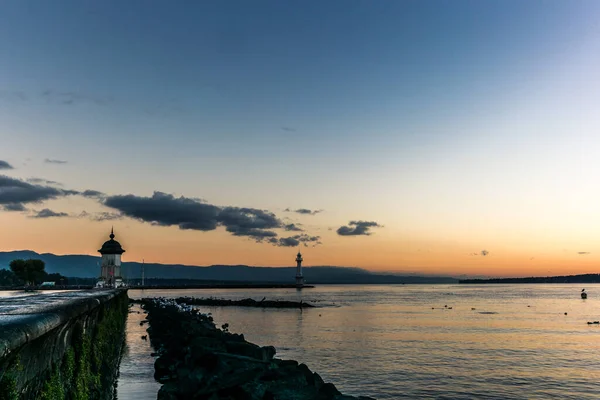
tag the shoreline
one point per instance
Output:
(198, 360)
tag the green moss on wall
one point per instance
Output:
(88, 366)
(8, 380)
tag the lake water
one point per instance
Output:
(400, 341)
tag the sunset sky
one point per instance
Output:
(430, 137)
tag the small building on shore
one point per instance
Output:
(110, 270)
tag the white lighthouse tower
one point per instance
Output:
(299, 277)
(110, 272)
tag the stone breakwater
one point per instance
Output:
(199, 361)
(242, 303)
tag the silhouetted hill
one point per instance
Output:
(84, 266)
(586, 278)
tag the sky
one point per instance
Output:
(429, 137)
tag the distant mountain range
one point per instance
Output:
(584, 278)
(83, 266)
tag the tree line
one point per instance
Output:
(29, 273)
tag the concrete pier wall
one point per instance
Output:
(62, 345)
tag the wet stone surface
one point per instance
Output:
(25, 318)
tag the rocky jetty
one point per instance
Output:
(242, 303)
(199, 361)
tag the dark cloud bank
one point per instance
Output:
(167, 210)
(15, 194)
(160, 209)
(357, 228)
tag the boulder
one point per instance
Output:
(328, 391)
(245, 349)
(268, 352)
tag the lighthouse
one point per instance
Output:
(110, 271)
(299, 277)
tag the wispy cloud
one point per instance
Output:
(12, 95)
(582, 253)
(304, 211)
(47, 213)
(72, 98)
(51, 161)
(288, 129)
(41, 181)
(101, 216)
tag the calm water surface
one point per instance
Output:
(390, 342)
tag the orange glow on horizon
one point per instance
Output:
(380, 252)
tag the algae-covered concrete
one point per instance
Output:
(62, 345)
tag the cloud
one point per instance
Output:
(14, 207)
(166, 210)
(293, 241)
(355, 228)
(14, 191)
(72, 98)
(581, 253)
(49, 161)
(305, 211)
(100, 216)
(47, 213)
(481, 253)
(249, 222)
(5, 165)
(13, 95)
(93, 194)
(39, 181)
(292, 227)
(288, 129)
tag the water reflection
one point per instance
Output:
(136, 371)
(388, 342)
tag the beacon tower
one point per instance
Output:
(299, 277)
(110, 272)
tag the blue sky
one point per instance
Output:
(416, 114)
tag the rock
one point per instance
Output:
(162, 369)
(308, 375)
(287, 363)
(328, 391)
(196, 360)
(318, 381)
(268, 352)
(246, 349)
(168, 392)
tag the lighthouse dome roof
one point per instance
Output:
(111, 246)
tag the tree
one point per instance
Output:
(30, 271)
(8, 278)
